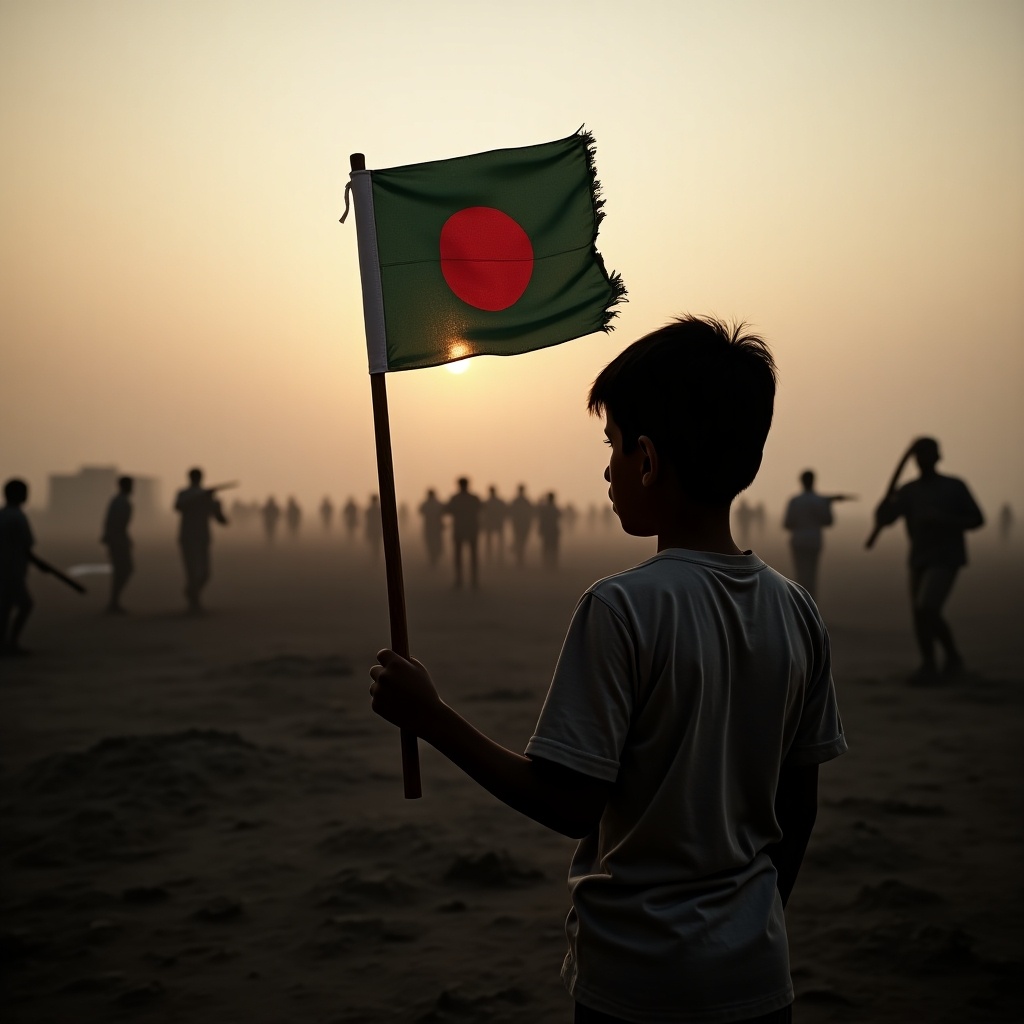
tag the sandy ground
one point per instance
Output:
(202, 820)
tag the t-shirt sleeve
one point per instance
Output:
(819, 735)
(586, 714)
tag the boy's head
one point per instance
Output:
(195, 476)
(807, 479)
(125, 484)
(704, 393)
(15, 491)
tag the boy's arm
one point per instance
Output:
(553, 795)
(796, 807)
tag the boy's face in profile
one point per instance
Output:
(631, 498)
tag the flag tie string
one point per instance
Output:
(348, 193)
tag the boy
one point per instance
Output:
(690, 707)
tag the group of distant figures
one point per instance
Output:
(936, 509)
(470, 516)
(199, 506)
(504, 526)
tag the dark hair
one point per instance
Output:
(195, 474)
(704, 393)
(125, 483)
(16, 491)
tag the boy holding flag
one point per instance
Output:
(688, 713)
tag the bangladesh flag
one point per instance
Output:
(492, 254)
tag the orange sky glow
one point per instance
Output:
(175, 288)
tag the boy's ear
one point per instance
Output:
(649, 467)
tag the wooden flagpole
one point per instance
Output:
(392, 548)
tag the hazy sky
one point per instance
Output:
(175, 288)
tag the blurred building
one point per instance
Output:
(77, 502)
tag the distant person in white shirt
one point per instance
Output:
(807, 514)
(197, 506)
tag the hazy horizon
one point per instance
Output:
(176, 289)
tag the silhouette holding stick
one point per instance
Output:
(938, 510)
(16, 555)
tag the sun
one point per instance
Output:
(459, 353)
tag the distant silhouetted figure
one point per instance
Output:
(1005, 523)
(464, 507)
(373, 527)
(759, 518)
(196, 505)
(549, 528)
(16, 542)
(293, 516)
(327, 513)
(492, 519)
(570, 516)
(520, 514)
(271, 514)
(744, 517)
(241, 513)
(807, 515)
(350, 516)
(119, 544)
(432, 511)
(937, 510)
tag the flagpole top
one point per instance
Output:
(357, 162)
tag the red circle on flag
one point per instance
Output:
(486, 257)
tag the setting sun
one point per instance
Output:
(459, 366)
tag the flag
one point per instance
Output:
(490, 254)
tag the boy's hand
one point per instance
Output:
(402, 693)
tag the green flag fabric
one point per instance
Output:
(491, 254)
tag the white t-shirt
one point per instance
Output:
(806, 514)
(687, 681)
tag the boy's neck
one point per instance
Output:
(698, 528)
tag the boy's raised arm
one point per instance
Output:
(557, 797)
